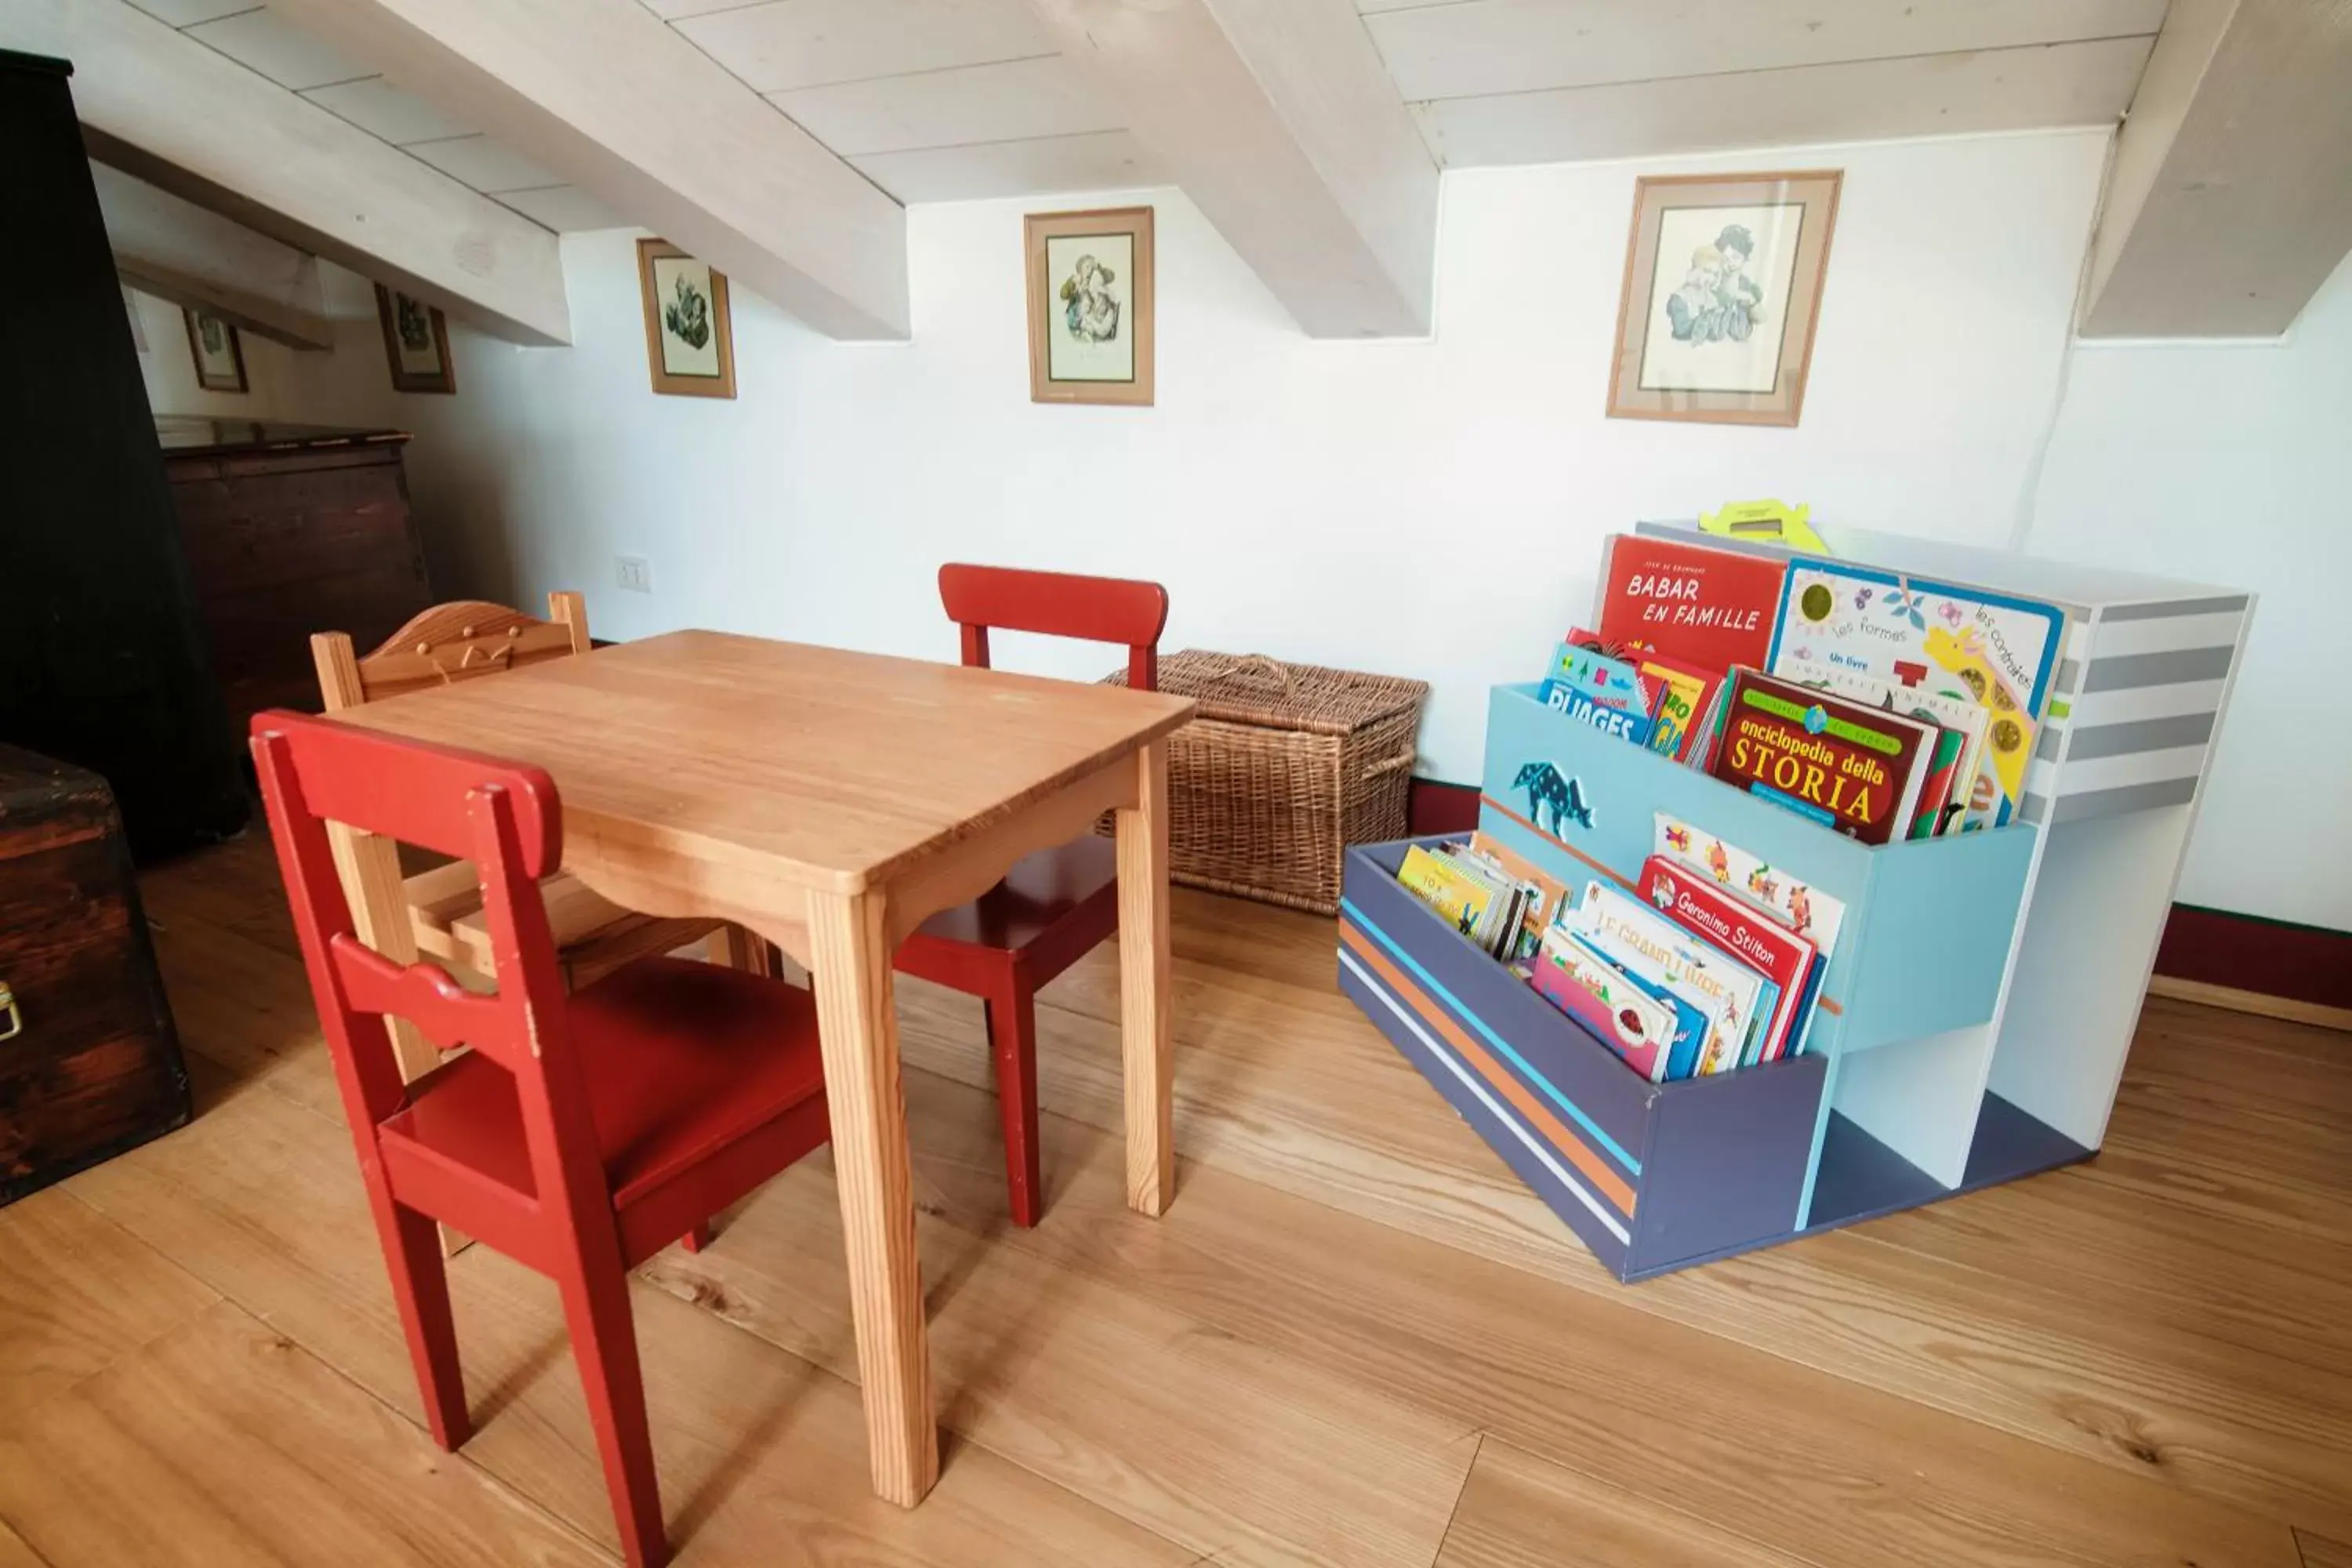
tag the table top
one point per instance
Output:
(831, 769)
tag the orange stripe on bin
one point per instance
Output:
(1580, 1154)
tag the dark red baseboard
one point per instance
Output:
(1434, 807)
(2247, 953)
(2244, 953)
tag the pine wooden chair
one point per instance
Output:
(438, 913)
(581, 1133)
(1056, 905)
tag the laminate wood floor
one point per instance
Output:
(1355, 1340)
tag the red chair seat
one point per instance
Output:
(1041, 891)
(680, 1059)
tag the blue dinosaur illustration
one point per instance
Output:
(1548, 788)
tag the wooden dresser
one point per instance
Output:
(290, 529)
(89, 1064)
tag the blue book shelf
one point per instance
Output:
(1973, 1021)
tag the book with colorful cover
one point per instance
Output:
(1961, 716)
(1626, 723)
(1709, 607)
(1691, 1024)
(1578, 662)
(1547, 893)
(1749, 934)
(1997, 650)
(1653, 949)
(1473, 903)
(1975, 794)
(1856, 769)
(1681, 693)
(1624, 1016)
(1935, 790)
(1813, 914)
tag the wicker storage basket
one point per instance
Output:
(1283, 766)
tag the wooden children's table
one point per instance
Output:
(829, 801)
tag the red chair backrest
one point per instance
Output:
(505, 819)
(1058, 604)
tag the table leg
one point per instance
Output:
(1143, 964)
(849, 964)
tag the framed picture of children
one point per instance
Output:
(1723, 284)
(1090, 306)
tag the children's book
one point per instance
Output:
(1691, 1025)
(1787, 959)
(1626, 723)
(1951, 781)
(1681, 693)
(1802, 908)
(1546, 894)
(1621, 1015)
(1611, 682)
(1973, 792)
(1996, 650)
(1855, 769)
(1653, 949)
(1709, 607)
(1477, 906)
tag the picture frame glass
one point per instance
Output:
(1724, 277)
(684, 295)
(1090, 330)
(416, 346)
(1718, 295)
(216, 342)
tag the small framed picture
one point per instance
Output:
(689, 341)
(1723, 284)
(415, 342)
(1090, 306)
(220, 358)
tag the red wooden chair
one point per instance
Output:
(581, 1134)
(1057, 904)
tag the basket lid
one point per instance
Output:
(1251, 689)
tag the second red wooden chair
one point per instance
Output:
(581, 1134)
(1055, 905)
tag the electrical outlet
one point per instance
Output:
(634, 573)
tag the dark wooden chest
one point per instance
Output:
(90, 1064)
(292, 529)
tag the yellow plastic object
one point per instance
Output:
(1772, 521)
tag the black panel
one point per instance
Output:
(102, 658)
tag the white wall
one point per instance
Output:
(1431, 509)
(2225, 464)
(169, 369)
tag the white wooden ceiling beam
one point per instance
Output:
(2230, 200)
(194, 258)
(163, 107)
(608, 95)
(1279, 120)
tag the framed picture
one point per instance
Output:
(689, 341)
(1090, 306)
(415, 342)
(1723, 283)
(220, 358)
